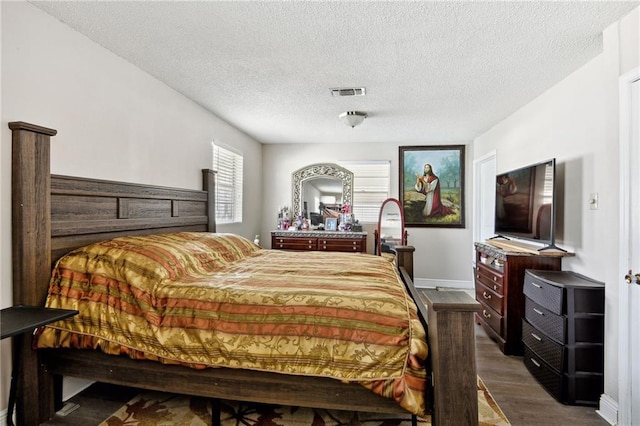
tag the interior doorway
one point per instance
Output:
(484, 170)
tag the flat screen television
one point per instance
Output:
(525, 206)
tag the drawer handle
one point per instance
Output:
(355, 248)
(309, 247)
(477, 276)
(485, 295)
(538, 311)
(536, 363)
(536, 285)
(495, 278)
(495, 287)
(486, 314)
(535, 336)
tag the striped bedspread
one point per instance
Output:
(218, 300)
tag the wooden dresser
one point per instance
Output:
(319, 240)
(563, 334)
(499, 279)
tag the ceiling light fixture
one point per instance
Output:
(353, 118)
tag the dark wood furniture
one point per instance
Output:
(54, 214)
(499, 278)
(563, 334)
(355, 242)
(16, 322)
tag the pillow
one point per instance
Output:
(137, 259)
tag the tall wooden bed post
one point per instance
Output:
(209, 184)
(31, 239)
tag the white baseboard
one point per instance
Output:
(608, 409)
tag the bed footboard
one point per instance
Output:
(449, 316)
(453, 361)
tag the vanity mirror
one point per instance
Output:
(324, 183)
(390, 232)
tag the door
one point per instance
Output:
(629, 350)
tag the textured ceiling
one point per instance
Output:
(434, 72)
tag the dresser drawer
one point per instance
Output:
(490, 278)
(340, 244)
(295, 243)
(548, 322)
(491, 318)
(581, 388)
(552, 352)
(544, 294)
(489, 297)
(544, 374)
(563, 292)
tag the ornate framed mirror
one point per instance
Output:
(313, 183)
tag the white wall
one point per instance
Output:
(577, 122)
(442, 256)
(113, 120)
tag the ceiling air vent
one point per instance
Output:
(352, 91)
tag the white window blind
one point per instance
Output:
(371, 183)
(228, 165)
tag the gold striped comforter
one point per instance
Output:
(218, 300)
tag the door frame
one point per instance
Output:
(625, 302)
(479, 192)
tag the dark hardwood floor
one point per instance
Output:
(521, 398)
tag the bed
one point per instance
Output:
(53, 215)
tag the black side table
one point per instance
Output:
(16, 322)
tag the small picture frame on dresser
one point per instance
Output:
(331, 224)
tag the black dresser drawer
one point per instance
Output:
(544, 347)
(583, 356)
(544, 374)
(551, 324)
(584, 328)
(564, 292)
(582, 388)
(546, 295)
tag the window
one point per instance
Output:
(370, 188)
(228, 165)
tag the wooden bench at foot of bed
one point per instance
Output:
(47, 223)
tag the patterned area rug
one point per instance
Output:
(164, 409)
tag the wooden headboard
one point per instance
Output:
(60, 213)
